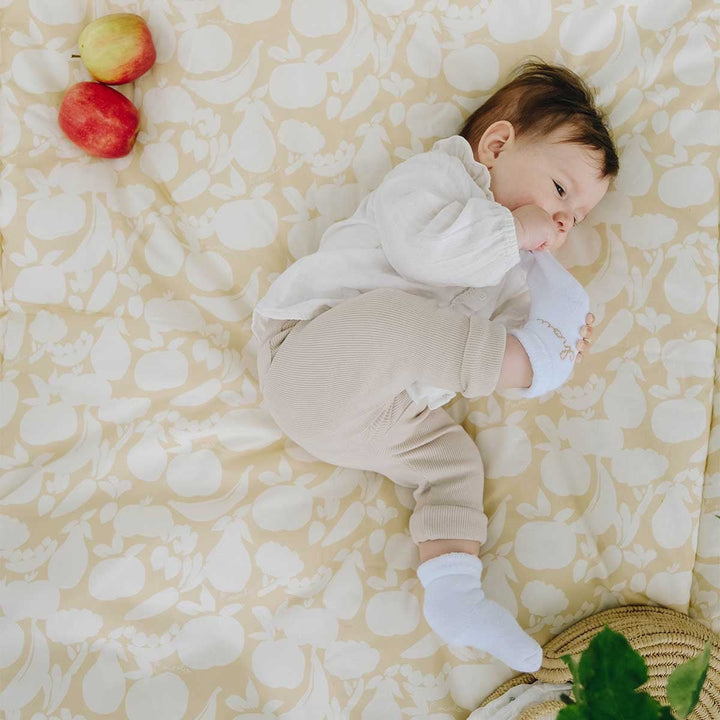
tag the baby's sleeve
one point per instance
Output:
(437, 227)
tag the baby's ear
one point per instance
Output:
(498, 136)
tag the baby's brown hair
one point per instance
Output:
(540, 98)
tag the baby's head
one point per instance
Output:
(545, 143)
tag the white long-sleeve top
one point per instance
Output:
(432, 228)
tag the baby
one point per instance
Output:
(423, 293)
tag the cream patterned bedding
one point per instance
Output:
(165, 552)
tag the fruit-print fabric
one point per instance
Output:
(165, 552)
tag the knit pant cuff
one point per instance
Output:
(483, 357)
(448, 522)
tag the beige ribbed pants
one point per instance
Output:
(336, 386)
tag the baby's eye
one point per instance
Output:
(560, 189)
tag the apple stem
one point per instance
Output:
(72, 56)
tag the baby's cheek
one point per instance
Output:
(513, 186)
(512, 200)
(517, 195)
(504, 190)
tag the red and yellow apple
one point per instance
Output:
(99, 119)
(117, 48)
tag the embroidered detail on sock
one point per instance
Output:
(567, 353)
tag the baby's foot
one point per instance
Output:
(458, 611)
(559, 307)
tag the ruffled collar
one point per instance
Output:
(459, 147)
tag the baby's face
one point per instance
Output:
(560, 177)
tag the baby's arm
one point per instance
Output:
(437, 228)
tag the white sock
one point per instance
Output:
(457, 610)
(558, 308)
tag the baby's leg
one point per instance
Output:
(426, 448)
(360, 354)
(336, 386)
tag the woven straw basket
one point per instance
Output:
(665, 639)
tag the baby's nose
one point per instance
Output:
(563, 221)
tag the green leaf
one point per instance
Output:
(686, 681)
(638, 706)
(665, 714)
(610, 665)
(610, 671)
(574, 712)
(575, 672)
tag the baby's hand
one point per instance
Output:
(535, 229)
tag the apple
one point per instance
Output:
(99, 119)
(117, 48)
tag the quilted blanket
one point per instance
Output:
(165, 552)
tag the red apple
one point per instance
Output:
(99, 119)
(117, 48)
